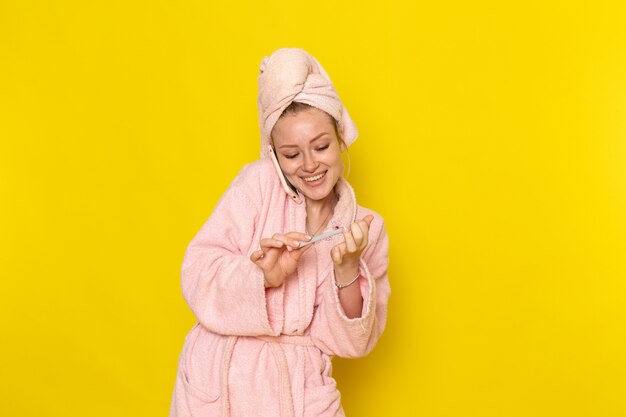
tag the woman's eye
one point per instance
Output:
(291, 156)
(323, 147)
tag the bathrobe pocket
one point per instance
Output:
(200, 371)
(323, 400)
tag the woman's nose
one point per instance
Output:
(310, 165)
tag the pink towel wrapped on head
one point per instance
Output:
(292, 74)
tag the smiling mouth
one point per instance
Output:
(315, 178)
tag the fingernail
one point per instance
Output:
(307, 237)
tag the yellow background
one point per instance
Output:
(492, 140)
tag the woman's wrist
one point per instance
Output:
(346, 275)
(341, 286)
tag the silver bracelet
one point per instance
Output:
(340, 286)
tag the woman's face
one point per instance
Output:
(308, 151)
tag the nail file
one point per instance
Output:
(322, 236)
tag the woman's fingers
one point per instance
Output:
(256, 255)
(279, 255)
(284, 239)
(364, 231)
(357, 232)
(292, 239)
(297, 253)
(364, 228)
(268, 243)
(336, 253)
(299, 236)
(272, 248)
(355, 240)
(349, 240)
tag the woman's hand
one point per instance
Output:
(279, 255)
(346, 255)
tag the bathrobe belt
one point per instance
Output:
(286, 399)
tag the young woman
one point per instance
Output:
(271, 312)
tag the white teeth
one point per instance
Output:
(315, 178)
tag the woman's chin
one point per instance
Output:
(317, 194)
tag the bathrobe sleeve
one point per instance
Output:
(336, 334)
(222, 286)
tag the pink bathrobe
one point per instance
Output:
(259, 352)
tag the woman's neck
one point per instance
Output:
(321, 207)
(319, 210)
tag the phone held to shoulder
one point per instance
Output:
(286, 185)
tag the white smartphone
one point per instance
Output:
(290, 189)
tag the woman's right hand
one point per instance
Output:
(279, 255)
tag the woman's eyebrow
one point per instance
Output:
(311, 141)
